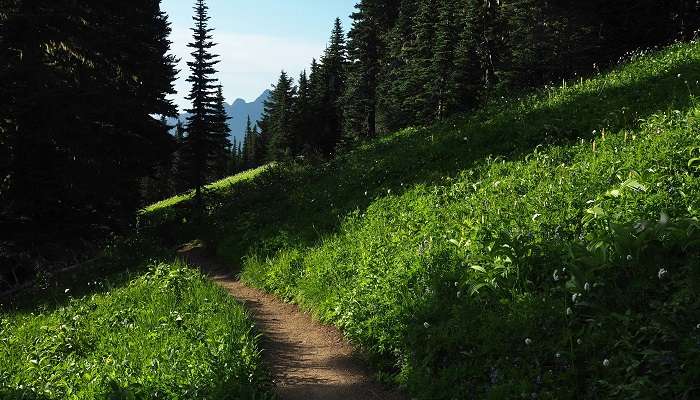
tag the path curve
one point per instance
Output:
(307, 360)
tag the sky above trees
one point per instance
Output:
(257, 39)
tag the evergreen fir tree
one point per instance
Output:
(277, 120)
(220, 131)
(179, 132)
(333, 77)
(366, 49)
(395, 76)
(303, 117)
(247, 151)
(442, 97)
(200, 144)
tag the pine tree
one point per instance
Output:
(220, 131)
(248, 149)
(333, 77)
(257, 149)
(360, 97)
(442, 97)
(276, 121)
(465, 79)
(179, 132)
(303, 117)
(395, 76)
(201, 138)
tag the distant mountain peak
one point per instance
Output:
(238, 111)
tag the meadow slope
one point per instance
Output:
(544, 247)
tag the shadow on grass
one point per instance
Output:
(16, 394)
(296, 206)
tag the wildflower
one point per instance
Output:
(456, 284)
(587, 287)
(629, 257)
(528, 341)
(388, 191)
(459, 294)
(426, 325)
(558, 355)
(569, 311)
(662, 273)
(697, 326)
(66, 291)
(555, 275)
(575, 297)
(579, 341)
(606, 363)
(365, 193)
(679, 75)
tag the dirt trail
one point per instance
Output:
(307, 360)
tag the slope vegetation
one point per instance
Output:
(545, 247)
(166, 333)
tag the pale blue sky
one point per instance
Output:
(257, 39)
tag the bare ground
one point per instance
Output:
(307, 360)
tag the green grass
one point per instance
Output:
(546, 246)
(169, 333)
(217, 186)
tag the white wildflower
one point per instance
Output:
(662, 273)
(528, 341)
(587, 287)
(569, 311)
(426, 325)
(66, 291)
(629, 257)
(579, 341)
(555, 275)
(606, 363)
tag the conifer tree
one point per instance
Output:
(360, 97)
(200, 144)
(277, 120)
(465, 78)
(303, 117)
(394, 86)
(333, 77)
(248, 145)
(179, 132)
(442, 98)
(220, 131)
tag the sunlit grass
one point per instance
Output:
(169, 333)
(220, 185)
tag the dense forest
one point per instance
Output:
(414, 62)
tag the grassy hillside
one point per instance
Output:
(545, 247)
(169, 333)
